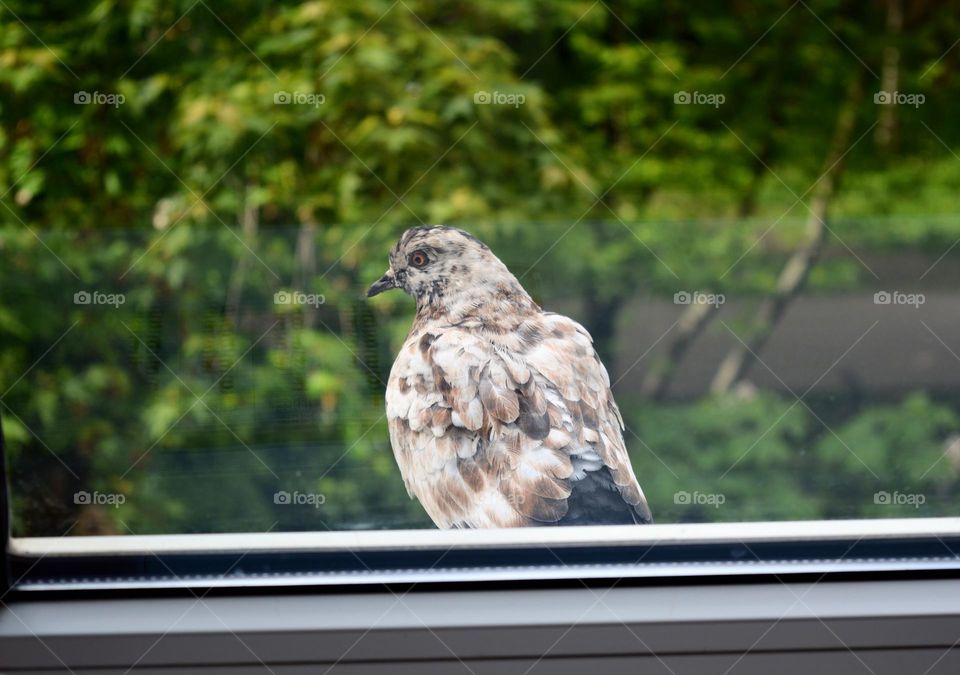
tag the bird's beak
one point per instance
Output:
(384, 283)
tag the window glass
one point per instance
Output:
(191, 380)
(754, 216)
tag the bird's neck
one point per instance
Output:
(494, 304)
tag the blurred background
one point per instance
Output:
(751, 205)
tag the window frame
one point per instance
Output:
(5, 519)
(134, 565)
(225, 564)
(696, 628)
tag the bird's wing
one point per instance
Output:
(495, 437)
(578, 391)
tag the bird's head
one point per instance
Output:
(447, 269)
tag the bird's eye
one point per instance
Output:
(418, 259)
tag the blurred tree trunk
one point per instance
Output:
(795, 273)
(890, 76)
(694, 318)
(601, 318)
(306, 268)
(249, 223)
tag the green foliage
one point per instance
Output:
(200, 196)
(773, 459)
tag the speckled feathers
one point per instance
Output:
(500, 414)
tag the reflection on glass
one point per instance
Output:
(204, 379)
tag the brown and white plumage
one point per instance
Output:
(500, 414)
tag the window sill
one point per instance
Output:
(891, 627)
(473, 558)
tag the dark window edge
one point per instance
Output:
(153, 575)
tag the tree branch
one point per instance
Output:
(795, 273)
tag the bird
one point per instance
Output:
(500, 414)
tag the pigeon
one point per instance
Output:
(500, 414)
